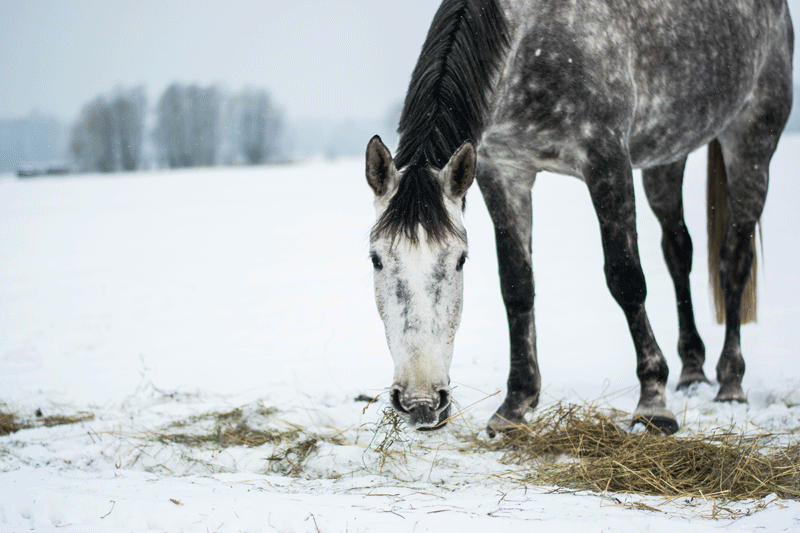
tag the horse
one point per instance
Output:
(504, 89)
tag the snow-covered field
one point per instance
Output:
(153, 299)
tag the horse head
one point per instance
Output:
(418, 247)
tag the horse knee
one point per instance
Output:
(518, 295)
(626, 282)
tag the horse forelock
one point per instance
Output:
(418, 204)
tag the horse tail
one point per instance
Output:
(717, 217)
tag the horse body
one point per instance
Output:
(592, 89)
(665, 76)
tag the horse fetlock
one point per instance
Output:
(511, 414)
(505, 420)
(731, 392)
(693, 354)
(730, 371)
(690, 376)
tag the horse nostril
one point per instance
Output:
(444, 399)
(396, 391)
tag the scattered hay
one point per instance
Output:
(228, 429)
(289, 460)
(250, 427)
(387, 434)
(63, 420)
(11, 423)
(8, 423)
(608, 458)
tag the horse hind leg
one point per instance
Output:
(663, 185)
(747, 146)
(735, 255)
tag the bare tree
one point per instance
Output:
(187, 126)
(91, 142)
(260, 127)
(170, 130)
(107, 136)
(128, 110)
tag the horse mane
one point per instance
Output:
(447, 98)
(446, 105)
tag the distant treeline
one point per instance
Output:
(194, 126)
(189, 126)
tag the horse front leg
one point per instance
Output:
(610, 180)
(508, 198)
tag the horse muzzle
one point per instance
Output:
(423, 412)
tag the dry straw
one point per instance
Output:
(11, 423)
(227, 429)
(8, 423)
(580, 447)
(567, 446)
(292, 444)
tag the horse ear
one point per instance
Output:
(381, 173)
(457, 176)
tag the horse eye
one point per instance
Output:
(461, 261)
(376, 261)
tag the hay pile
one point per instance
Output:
(11, 423)
(605, 457)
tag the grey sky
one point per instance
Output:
(318, 58)
(332, 59)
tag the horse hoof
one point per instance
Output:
(690, 378)
(502, 424)
(731, 393)
(655, 420)
(664, 425)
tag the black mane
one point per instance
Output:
(447, 98)
(445, 106)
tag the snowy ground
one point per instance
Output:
(152, 299)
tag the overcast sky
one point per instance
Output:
(332, 59)
(318, 58)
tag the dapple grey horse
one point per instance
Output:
(504, 89)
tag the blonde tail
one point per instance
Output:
(717, 212)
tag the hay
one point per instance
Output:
(11, 423)
(63, 420)
(605, 457)
(228, 429)
(289, 460)
(8, 423)
(250, 427)
(388, 434)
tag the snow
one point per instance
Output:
(151, 299)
